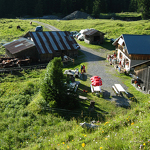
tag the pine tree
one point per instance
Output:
(146, 9)
(52, 86)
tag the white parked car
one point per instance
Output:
(77, 35)
(81, 37)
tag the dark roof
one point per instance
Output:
(91, 32)
(136, 44)
(18, 45)
(51, 41)
(139, 64)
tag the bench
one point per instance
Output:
(115, 90)
(120, 89)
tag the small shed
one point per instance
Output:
(142, 70)
(93, 36)
(21, 48)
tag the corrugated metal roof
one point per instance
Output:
(51, 41)
(91, 32)
(141, 63)
(137, 44)
(19, 45)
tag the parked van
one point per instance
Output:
(38, 28)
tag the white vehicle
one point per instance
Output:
(83, 30)
(81, 37)
(77, 35)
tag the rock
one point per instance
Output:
(88, 126)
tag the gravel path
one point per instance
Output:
(97, 65)
(49, 27)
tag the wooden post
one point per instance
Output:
(73, 61)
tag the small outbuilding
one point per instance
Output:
(142, 71)
(93, 36)
(22, 48)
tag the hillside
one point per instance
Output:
(27, 122)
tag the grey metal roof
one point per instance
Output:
(136, 44)
(91, 32)
(140, 63)
(18, 45)
(51, 41)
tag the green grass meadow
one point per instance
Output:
(111, 28)
(28, 123)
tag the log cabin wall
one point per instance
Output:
(144, 76)
(140, 57)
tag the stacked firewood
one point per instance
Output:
(13, 62)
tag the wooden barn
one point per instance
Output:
(52, 44)
(132, 49)
(142, 71)
(43, 46)
(22, 48)
(93, 36)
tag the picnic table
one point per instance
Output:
(118, 89)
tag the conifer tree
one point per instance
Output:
(52, 86)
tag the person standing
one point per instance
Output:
(81, 69)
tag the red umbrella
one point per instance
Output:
(97, 83)
(95, 78)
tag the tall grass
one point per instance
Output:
(28, 123)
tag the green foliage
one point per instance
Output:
(9, 31)
(52, 87)
(28, 123)
(146, 12)
(111, 28)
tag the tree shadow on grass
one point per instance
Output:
(82, 114)
(132, 97)
(120, 101)
(107, 45)
(91, 57)
(18, 73)
(83, 77)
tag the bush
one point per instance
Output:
(53, 88)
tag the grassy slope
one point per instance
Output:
(24, 124)
(112, 28)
